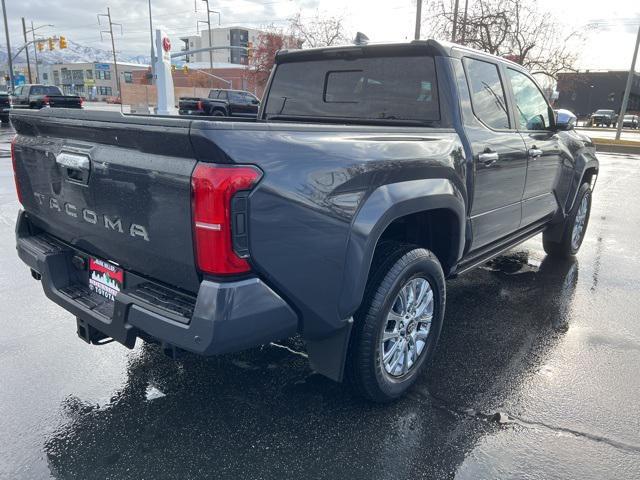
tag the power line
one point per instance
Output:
(113, 45)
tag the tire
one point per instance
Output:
(396, 266)
(218, 113)
(569, 245)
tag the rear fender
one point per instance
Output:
(384, 205)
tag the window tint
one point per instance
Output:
(222, 95)
(381, 88)
(487, 95)
(37, 90)
(214, 93)
(532, 109)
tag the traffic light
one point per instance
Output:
(52, 45)
(249, 51)
(62, 42)
(185, 68)
(40, 46)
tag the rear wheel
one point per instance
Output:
(575, 226)
(218, 113)
(398, 324)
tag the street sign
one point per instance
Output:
(164, 80)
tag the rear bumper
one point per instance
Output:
(223, 317)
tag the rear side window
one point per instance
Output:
(368, 88)
(487, 93)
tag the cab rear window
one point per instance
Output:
(367, 88)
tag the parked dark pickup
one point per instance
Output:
(40, 96)
(221, 103)
(372, 174)
(604, 118)
(5, 107)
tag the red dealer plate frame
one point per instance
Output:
(105, 278)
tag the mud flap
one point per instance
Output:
(327, 355)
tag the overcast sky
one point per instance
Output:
(609, 47)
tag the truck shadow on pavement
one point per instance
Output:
(264, 414)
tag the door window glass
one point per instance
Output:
(487, 94)
(532, 110)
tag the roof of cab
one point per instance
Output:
(431, 46)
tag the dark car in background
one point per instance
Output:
(221, 103)
(5, 107)
(603, 118)
(631, 121)
(41, 96)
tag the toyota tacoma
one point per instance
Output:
(371, 175)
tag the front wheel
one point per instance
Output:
(398, 324)
(575, 226)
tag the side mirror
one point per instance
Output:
(255, 102)
(565, 120)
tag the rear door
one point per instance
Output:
(499, 154)
(535, 122)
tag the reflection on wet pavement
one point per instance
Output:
(535, 376)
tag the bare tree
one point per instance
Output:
(270, 40)
(516, 29)
(319, 31)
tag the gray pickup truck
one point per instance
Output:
(371, 175)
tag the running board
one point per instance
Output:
(485, 254)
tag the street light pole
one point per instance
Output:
(35, 52)
(627, 90)
(9, 59)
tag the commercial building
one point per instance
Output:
(585, 92)
(221, 37)
(95, 81)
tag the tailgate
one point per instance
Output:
(60, 101)
(115, 187)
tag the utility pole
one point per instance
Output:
(153, 59)
(26, 50)
(35, 52)
(209, 30)
(454, 29)
(418, 19)
(627, 90)
(113, 48)
(9, 59)
(464, 22)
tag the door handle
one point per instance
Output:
(535, 152)
(488, 158)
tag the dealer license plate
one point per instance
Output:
(105, 279)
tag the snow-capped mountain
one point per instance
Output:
(76, 53)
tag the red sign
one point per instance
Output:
(166, 44)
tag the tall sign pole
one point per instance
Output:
(164, 80)
(9, 59)
(35, 52)
(627, 90)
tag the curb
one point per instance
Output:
(611, 148)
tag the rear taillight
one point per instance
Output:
(15, 170)
(45, 100)
(199, 105)
(212, 189)
(81, 101)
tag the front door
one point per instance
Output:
(535, 122)
(499, 155)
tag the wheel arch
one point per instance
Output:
(409, 202)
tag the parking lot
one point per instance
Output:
(536, 376)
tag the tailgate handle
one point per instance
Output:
(73, 161)
(76, 167)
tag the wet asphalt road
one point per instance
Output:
(537, 376)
